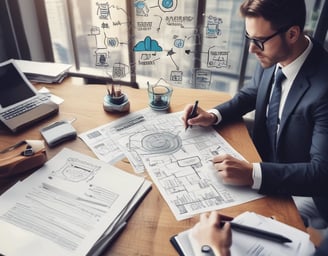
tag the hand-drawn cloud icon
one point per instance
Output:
(147, 44)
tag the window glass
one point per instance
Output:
(59, 31)
(164, 31)
(152, 40)
(223, 45)
(198, 44)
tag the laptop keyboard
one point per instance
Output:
(27, 106)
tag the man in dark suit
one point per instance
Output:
(295, 162)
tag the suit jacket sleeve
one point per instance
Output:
(302, 165)
(243, 102)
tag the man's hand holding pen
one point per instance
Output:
(232, 171)
(200, 117)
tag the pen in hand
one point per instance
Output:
(193, 113)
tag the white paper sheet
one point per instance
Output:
(44, 72)
(179, 163)
(253, 246)
(63, 208)
(248, 245)
(177, 160)
(103, 140)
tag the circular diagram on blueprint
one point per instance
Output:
(161, 143)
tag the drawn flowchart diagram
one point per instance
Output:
(162, 32)
(179, 162)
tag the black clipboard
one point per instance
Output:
(176, 246)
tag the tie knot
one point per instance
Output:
(279, 77)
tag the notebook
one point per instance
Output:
(20, 104)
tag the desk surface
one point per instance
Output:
(153, 223)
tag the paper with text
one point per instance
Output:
(248, 245)
(65, 206)
(101, 139)
(253, 246)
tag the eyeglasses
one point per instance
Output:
(260, 42)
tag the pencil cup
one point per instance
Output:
(159, 96)
(117, 100)
(116, 103)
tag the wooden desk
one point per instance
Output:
(153, 223)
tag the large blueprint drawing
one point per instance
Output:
(179, 163)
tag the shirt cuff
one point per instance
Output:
(217, 114)
(257, 176)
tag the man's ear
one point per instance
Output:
(293, 33)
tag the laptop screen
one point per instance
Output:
(13, 87)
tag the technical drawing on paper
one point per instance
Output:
(179, 163)
(101, 140)
(157, 143)
(76, 170)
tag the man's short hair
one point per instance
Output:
(280, 13)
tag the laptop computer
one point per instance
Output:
(20, 104)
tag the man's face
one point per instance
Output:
(275, 48)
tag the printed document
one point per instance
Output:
(248, 245)
(65, 206)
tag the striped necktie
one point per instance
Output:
(273, 110)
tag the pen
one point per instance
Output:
(193, 112)
(258, 232)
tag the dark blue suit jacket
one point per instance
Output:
(300, 164)
(322, 250)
